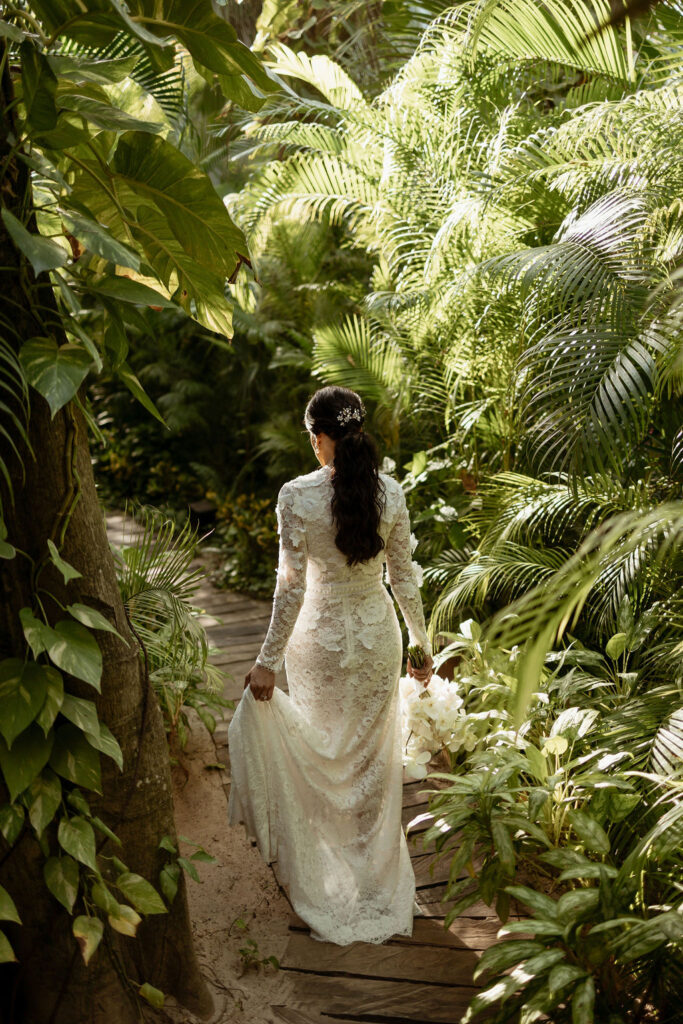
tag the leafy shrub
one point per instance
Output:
(247, 530)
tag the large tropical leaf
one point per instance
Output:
(155, 198)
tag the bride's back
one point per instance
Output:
(310, 499)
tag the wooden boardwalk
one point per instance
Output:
(426, 978)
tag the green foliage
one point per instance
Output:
(247, 528)
(157, 580)
(112, 217)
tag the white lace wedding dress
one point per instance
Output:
(316, 773)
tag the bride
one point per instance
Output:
(316, 774)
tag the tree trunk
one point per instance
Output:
(50, 984)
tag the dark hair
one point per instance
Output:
(358, 497)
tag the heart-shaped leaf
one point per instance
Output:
(61, 877)
(20, 765)
(81, 712)
(23, 687)
(6, 952)
(74, 759)
(76, 837)
(8, 911)
(91, 618)
(53, 699)
(141, 894)
(74, 649)
(42, 253)
(56, 371)
(11, 822)
(88, 932)
(67, 571)
(43, 797)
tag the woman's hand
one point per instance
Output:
(423, 674)
(262, 682)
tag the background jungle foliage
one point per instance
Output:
(471, 213)
(479, 227)
(104, 214)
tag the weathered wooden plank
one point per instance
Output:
(429, 964)
(429, 871)
(465, 933)
(224, 635)
(415, 793)
(409, 813)
(378, 1000)
(286, 1015)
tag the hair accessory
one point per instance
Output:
(348, 413)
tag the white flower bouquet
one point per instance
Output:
(433, 719)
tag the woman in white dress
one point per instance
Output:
(316, 773)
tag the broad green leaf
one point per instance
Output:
(194, 874)
(81, 712)
(74, 649)
(35, 631)
(557, 745)
(591, 834)
(166, 843)
(74, 759)
(11, 822)
(103, 899)
(71, 67)
(29, 754)
(6, 952)
(583, 1002)
(96, 238)
(126, 921)
(577, 903)
(88, 932)
(136, 389)
(537, 762)
(106, 831)
(541, 904)
(563, 975)
(76, 800)
(115, 344)
(53, 700)
(616, 645)
(67, 571)
(506, 954)
(76, 837)
(169, 877)
(124, 289)
(11, 32)
(140, 893)
(8, 911)
(211, 40)
(92, 618)
(38, 84)
(43, 798)
(42, 253)
(7, 550)
(175, 216)
(105, 741)
(153, 995)
(23, 688)
(56, 371)
(503, 845)
(105, 115)
(61, 877)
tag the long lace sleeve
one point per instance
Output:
(291, 581)
(402, 577)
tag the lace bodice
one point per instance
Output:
(310, 560)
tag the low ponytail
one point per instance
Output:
(358, 497)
